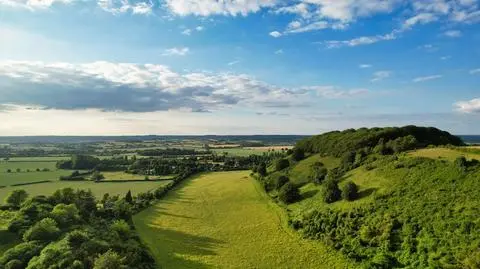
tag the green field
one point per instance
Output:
(225, 220)
(99, 189)
(14, 177)
(242, 152)
(445, 153)
(112, 176)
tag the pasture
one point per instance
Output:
(99, 189)
(112, 176)
(447, 153)
(225, 220)
(28, 172)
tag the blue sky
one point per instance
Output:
(93, 67)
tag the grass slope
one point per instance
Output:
(99, 189)
(224, 220)
(445, 153)
(112, 176)
(301, 172)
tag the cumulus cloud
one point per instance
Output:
(123, 6)
(181, 51)
(275, 34)
(471, 106)
(427, 78)
(215, 7)
(380, 75)
(33, 4)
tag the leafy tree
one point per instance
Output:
(9, 170)
(14, 264)
(319, 173)
(288, 193)
(281, 164)
(298, 154)
(262, 169)
(349, 191)
(65, 215)
(96, 176)
(44, 230)
(18, 170)
(16, 198)
(128, 197)
(121, 227)
(331, 192)
(22, 252)
(280, 181)
(109, 260)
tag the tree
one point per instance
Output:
(14, 264)
(109, 260)
(96, 176)
(349, 191)
(18, 170)
(288, 193)
(262, 169)
(44, 230)
(280, 181)
(16, 198)
(128, 197)
(298, 154)
(319, 172)
(331, 192)
(281, 164)
(65, 215)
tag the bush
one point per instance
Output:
(16, 198)
(319, 174)
(350, 191)
(280, 181)
(331, 192)
(298, 154)
(289, 193)
(14, 264)
(281, 164)
(44, 230)
(262, 169)
(109, 260)
(461, 163)
(96, 176)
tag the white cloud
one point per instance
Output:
(275, 34)
(187, 32)
(475, 71)
(215, 7)
(180, 51)
(123, 6)
(453, 33)
(280, 51)
(381, 75)
(427, 78)
(363, 66)
(332, 92)
(422, 18)
(233, 62)
(364, 40)
(33, 4)
(199, 28)
(444, 58)
(471, 106)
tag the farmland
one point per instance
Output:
(26, 171)
(98, 189)
(223, 220)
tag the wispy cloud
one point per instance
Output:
(427, 78)
(233, 62)
(364, 40)
(444, 58)
(453, 33)
(475, 71)
(381, 75)
(180, 51)
(363, 66)
(280, 51)
(187, 32)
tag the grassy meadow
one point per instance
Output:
(99, 189)
(225, 220)
(28, 171)
(112, 176)
(446, 153)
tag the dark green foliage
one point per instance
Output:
(16, 198)
(319, 173)
(262, 169)
(288, 193)
(348, 160)
(280, 181)
(337, 143)
(109, 260)
(298, 154)
(281, 164)
(22, 252)
(349, 191)
(96, 176)
(461, 163)
(14, 264)
(128, 197)
(331, 192)
(45, 230)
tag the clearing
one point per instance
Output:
(225, 220)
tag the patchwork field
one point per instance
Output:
(27, 172)
(224, 220)
(99, 189)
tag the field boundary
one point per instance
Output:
(31, 183)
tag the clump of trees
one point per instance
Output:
(349, 191)
(281, 164)
(289, 193)
(331, 191)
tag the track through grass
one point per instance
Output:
(225, 220)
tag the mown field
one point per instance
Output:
(99, 189)
(113, 176)
(224, 220)
(28, 172)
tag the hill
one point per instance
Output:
(396, 208)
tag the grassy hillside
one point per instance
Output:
(447, 153)
(411, 211)
(224, 220)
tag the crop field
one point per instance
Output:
(224, 220)
(99, 189)
(112, 176)
(445, 153)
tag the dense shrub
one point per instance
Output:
(16, 198)
(44, 230)
(262, 169)
(349, 191)
(280, 181)
(331, 192)
(298, 154)
(281, 164)
(289, 193)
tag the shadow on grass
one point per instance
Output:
(366, 192)
(173, 245)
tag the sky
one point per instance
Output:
(131, 67)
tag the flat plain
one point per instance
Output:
(225, 220)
